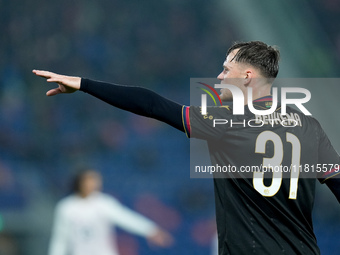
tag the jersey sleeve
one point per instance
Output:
(129, 220)
(137, 100)
(211, 125)
(329, 159)
(60, 232)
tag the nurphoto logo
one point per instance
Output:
(238, 100)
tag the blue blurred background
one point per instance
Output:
(156, 44)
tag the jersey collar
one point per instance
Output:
(263, 99)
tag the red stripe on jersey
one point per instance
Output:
(330, 173)
(187, 117)
(186, 120)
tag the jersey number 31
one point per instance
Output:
(274, 163)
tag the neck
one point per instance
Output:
(257, 92)
(83, 194)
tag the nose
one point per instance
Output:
(220, 76)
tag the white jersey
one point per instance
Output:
(83, 226)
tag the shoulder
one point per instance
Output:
(105, 198)
(65, 204)
(66, 200)
(306, 118)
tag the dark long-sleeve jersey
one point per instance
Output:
(255, 213)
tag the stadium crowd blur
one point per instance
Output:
(156, 44)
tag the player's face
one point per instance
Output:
(90, 182)
(233, 73)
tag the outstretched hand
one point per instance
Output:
(66, 84)
(161, 238)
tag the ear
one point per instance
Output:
(249, 74)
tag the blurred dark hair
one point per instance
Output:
(78, 177)
(258, 54)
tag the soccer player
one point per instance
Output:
(84, 220)
(255, 213)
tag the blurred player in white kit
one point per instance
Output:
(84, 221)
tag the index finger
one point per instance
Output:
(45, 74)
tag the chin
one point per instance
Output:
(225, 98)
